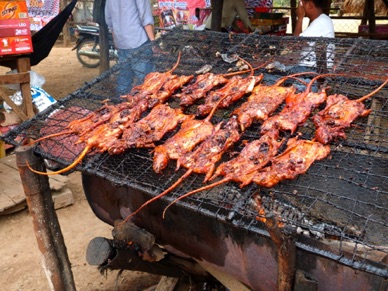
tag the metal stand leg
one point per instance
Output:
(45, 221)
(286, 253)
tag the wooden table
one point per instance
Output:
(22, 64)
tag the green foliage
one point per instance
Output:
(281, 3)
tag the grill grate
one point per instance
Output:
(342, 198)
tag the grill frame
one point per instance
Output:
(141, 178)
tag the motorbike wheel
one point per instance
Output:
(88, 53)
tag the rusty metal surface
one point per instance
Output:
(341, 199)
(247, 255)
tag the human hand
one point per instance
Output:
(300, 12)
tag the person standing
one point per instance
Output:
(230, 10)
(321, 25)
(132, 26)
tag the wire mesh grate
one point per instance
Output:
(342, 198)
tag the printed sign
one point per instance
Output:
(41, 11)
(180, 12)
(15, 35)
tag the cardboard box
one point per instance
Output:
(267, 15)
(15, 34)
(278, 33)
(276, 28)
(269, 22)
(12, 9)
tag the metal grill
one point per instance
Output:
(341, 200)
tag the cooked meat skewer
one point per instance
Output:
(338, 114)
(295, 160)
(149, 129)
(254, 156)
(263, 101)
(89, 122)
(191, 133)
(204, 158)
(298, 108)
(234, 90)
(152, 83)
(203, 84)
(106, 137)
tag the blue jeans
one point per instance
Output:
(132, 68)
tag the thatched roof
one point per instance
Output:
(357, 7)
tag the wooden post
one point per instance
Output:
(23, 65)
(104, 47)
(370, 8)
(293, 15)
(216, 14)
(368, 16)
(99, 17)
(326, 8)
(44, 218)
(65, 30)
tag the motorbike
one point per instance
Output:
(88, 47)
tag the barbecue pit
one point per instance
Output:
(335, 214)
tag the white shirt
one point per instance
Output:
(322, 26)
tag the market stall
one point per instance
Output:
(324, 227)
(15, 42)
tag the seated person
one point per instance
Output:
(321, 25)
(230, 10)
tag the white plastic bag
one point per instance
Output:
(35, 80)
(40, 98)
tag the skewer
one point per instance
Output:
(93, 141)
(212, 158)
(71, 166)
(338, 114)
(304, 153)
(248, 161)
(235, 88)
(194, 130)
(189, 172)
(372, 93)
(213, 155)
(264, 100)
(298, 108)
(230, 178)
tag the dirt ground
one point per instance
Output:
(20, 263)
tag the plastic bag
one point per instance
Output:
(40, 98)
(35, 80)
